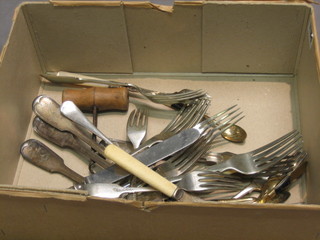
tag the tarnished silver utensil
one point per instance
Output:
(154, 96)
(156, 152)
(66, 140)
(126, 161)
(43, 157)
(49, 111)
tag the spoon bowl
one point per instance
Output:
(234, 134)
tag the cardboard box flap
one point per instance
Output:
(94, 219)
(166, 6)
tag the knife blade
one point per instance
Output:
(148, 157)
(154, 153)
(133, 165)
(107, 190)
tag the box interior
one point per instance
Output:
(258, 55)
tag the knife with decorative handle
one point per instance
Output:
(125, 160)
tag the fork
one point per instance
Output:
(184, 160)
(258, 184)
(154, 96)
(211, 157)
(187, 117)
(236, 186)
(204, 181)
(137, 126)
(262, 158)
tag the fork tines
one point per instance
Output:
(201, 181)
(170, 98)
(275, 151)
(221, 121)
(284, 166)
(189, 115)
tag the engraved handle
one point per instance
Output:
(41, 156)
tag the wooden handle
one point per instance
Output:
(134, 166)
(103, 98)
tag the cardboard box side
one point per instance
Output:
(244, 38)
(163, 42)
(83, 39)
(51, 218)
(110, 37)
(308, 84)
(18, 86)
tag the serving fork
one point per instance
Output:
(137, 126)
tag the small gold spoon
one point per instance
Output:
(234, 134)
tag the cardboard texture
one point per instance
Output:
(260, 56)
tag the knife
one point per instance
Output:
(131, 163)
(108, 190)
(148, 157)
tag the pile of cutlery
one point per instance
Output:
(179, 163)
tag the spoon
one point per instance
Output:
(234, 134)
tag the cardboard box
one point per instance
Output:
(261, 55)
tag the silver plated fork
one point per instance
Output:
(184, 160)
(154, 96)
(257, 184)
(187, 117)
(213, 184)
(137, 126)
(204, 181)
(262, 158)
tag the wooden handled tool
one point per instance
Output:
(98, 99)
(104, 99)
